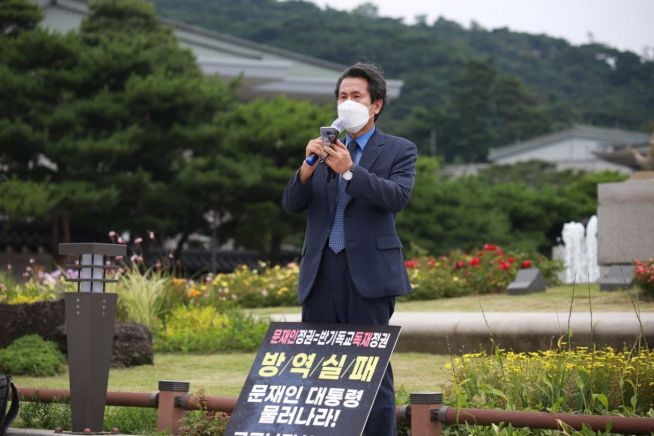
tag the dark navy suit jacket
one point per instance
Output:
(380, 188)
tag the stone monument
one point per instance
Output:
(626, 221)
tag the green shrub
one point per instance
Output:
(44, 415)
(130, 420)
(32, 355)
(205, 329)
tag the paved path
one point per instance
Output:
(455, 332)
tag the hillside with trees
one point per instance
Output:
(465, 89)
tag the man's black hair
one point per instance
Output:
(373, 75)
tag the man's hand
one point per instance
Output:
(338, 158)
(314, 146)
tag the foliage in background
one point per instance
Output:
(32, 355)
(205, 329)
(644, 276)
(463, 85)
(521, 207)
(597, 381)
(117, 127)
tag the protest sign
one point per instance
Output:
(313, 380)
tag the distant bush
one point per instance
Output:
(205, 329)
(32, 355)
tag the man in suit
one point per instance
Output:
(352, 266)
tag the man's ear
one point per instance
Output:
(378, 105)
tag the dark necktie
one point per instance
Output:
(337, 234)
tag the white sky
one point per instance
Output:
(624, 24)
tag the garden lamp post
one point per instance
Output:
(90, 314)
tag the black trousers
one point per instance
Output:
(334, 299)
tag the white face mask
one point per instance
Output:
(355, 115)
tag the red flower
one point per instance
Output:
(511, 260)
(460, 264)
(411, 263)
(474, 261)
(431, 261)
(490, 247)
(525, 264)
(504, 265)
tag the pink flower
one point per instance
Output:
(490, 247)
(474, 261)
(459, 264)
(150, 234)
(138, 241)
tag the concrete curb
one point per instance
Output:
(466, 332)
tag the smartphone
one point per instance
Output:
(328, 135)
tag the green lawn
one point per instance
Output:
(554, 299)
(224, 374)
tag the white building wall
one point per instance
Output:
(570, 149)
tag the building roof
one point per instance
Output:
(603, 134)
(265, 70)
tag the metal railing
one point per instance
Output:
(426, 414)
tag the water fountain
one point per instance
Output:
(580, 252)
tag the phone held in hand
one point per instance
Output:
(328, 135)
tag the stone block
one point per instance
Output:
(527, 281)
(617, 277)
(626, 221)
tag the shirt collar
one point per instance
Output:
(361, 140)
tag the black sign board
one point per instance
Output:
(313, 380)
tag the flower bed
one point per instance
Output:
(484, 271)
(150, 296)
(574, 380)
(644, 276)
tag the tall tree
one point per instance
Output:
(271, 136)
(112, 121)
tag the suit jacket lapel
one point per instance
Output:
(370, 154)
(372, 150)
